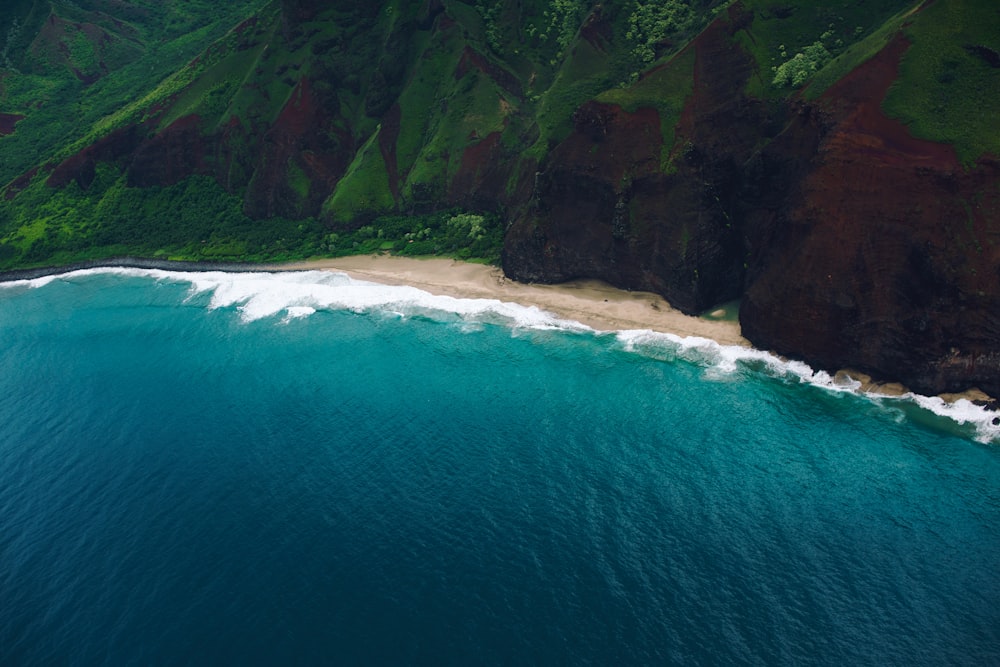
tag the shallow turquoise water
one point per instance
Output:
(264, 468)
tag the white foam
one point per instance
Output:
(300, 294)
(295, 312)
(963, 412)
(297, 294)
(31, 283)
(727, 361)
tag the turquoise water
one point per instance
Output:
(259, 469)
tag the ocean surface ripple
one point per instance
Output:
(263, 468)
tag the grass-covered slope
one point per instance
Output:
(284, 127)
(66, 65)
(330, 112)
(948, 89)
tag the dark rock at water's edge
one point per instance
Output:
(851, 243)
(876, 259)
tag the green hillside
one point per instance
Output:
(258, 130)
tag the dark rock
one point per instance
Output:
(873, 259)
(603, 208)
(80, 167)
(8, 121)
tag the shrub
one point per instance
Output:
(800, 67)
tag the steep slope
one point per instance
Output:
(65, 65)
(854, 242)
(887, 256)
(640, 193)
(337, 114)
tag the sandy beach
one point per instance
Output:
(589, 302)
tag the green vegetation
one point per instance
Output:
(445, 116)
(561, 21)
(364, 189)
(143, 49)
(194, 219)
(653, 21)
(548, 22)
(346, 118)
(948, 90)
(565, 66)
(666, 90)
(451, 233)
(803, 65)
(856, 54)
(585, 73)
(794, 40)
(197, 220)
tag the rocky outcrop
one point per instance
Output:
(303, 154)
(117, 146)
(170, 155)
(852, 243)
(604, 207)
(885, 255)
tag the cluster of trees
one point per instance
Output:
(453, 233)
(803, 65)
(647, 25)
(652, 21)
(196, 219)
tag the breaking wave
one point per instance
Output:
(726, 361)
(300, 294)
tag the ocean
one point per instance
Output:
(277, 468)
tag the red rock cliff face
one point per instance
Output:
(302, 140)
(852, 243)
(885, 256)
(603, 208)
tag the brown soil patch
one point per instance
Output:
(866, 131)
(7, 123)
(19, 183)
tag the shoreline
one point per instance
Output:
(593, 303)
(127, 262)
(590, 302)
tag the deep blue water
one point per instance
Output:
(295, 468)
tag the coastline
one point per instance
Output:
(590, 302)
(127, 262)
